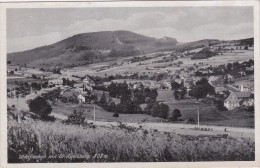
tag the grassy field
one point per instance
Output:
(101, 114)
(209, 115)
(11, 82)
(229, 57)
(37, 141)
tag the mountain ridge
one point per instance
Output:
(93, 47)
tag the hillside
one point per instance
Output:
(96, 47)
(204, 54)
(90, 48)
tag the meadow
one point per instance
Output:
(37, 141)
(101, 114)
(228, 57)
(209, 114)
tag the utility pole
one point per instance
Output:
(94, 117)
(94, 112)
(198, 110)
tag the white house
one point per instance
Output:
(81, 98)
(56, 82)
(237, 99)
(88, 81)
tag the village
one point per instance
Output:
(175, 84)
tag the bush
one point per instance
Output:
(77, 118)
(220, 105)
(115, 114)
(40, 107)
(176, 114)
(190, 121)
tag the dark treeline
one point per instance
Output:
(157, 77)
(204, 54)
(233, 69)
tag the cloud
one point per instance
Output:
(223, 32)
(30, 42)
(184, 24)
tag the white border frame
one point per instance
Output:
(70, 4)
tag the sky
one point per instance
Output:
(31, 28)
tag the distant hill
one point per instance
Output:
(90, 48)
(95, 47)
(196, 44)
(243, 42)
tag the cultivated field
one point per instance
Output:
(230, 57)
(37, 141)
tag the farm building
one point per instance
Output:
(216, 80)
(83, 87)
(237, 99)
(88, 81)
(81, 98)
(56, 82)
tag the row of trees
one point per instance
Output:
(230, 68)
(121, 90)
(67, 82)
(156, 76)
(126, 106)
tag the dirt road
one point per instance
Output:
(183, 129)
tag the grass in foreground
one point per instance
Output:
(37, 141)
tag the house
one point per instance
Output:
(250, 69)
(81, 98)
(56, 82)
(237, 99)
(83, 87)
(165, 84)
(215, 80)
(88, 81)
(228, 78)
(106, 84)
(137, 85)
(219, 89)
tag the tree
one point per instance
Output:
(103, 100)
(175, 85)
(176, 114)
(220, 105)
(40, 107)
(202, 89)
(155, 109)
(229, 67)
(115, 114)
(180, 93)
(34, 76)
(159, 110)
(163, 111)
(64, 81)
(112, 107)
(148, 100)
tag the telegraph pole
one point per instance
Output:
(94, 112)
(198, 110)
(94, 117)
